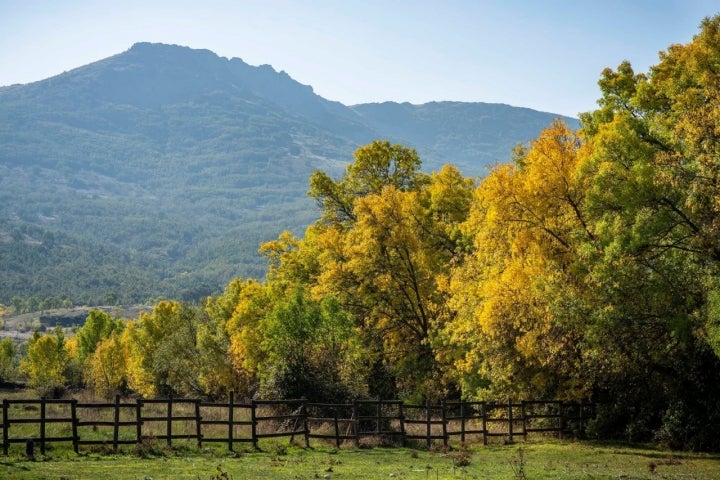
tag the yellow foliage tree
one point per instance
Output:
(385, 260)
(105, 369)
(45, 362)
(509, 336)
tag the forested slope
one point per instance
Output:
(158, 171)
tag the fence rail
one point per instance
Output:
(170, 419)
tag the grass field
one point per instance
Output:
(278, 460)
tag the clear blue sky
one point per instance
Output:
(545, 55)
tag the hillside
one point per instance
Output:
(158, 171)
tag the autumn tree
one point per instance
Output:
(386, 237)
(228, 341)
(653, 176)
(376, 166)
(162, 354)
(45, 362)
(252, 300)
(105, 371)
(3, 311)
(8, 362)
(515, 294)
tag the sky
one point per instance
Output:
(542, 54)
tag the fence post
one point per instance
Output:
(524, 419)
(378, 413)
(444, 423)
(73, 414)
(42, 425)
(198, 424)
(6, 425)
(484, 421)
(306, 430)
(462, 422)
(428, 426)
(169, 420)
(561, 419)
(337, 429)
(138, 420)
(401, 411)
(253, 421)
(116, 423)
(510, 421)
(231, 414)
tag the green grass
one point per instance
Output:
(278, 460)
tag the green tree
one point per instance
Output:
(98, 326)
(652, 175)
(311, 349)
(162, 355)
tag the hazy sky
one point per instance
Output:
(545, 55)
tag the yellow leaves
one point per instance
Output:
(3, 311)
(252, 304)
(538, 205)
(524, 220)
(277, 251)
(45, 362)
(139, 376)
(450, 195)
(105, 370)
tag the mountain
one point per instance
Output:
(158, 171)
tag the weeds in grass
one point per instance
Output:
(460, 457)
(652, 466)
(517, 463)
(221, 474)
(102, 449)
(279, 449)
(149, 447)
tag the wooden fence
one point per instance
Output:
(131, 423)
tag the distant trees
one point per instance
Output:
(34, 303)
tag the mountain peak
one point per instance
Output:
(169, 51)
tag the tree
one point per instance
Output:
(253, 300)
(386, 238)
(513, 334)
(311, 350)
(162, 356)
(8, 363)
(652, 175)
(376, 166)
(98, 326)
(105, 370)
(3, 311)
(45, 362)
